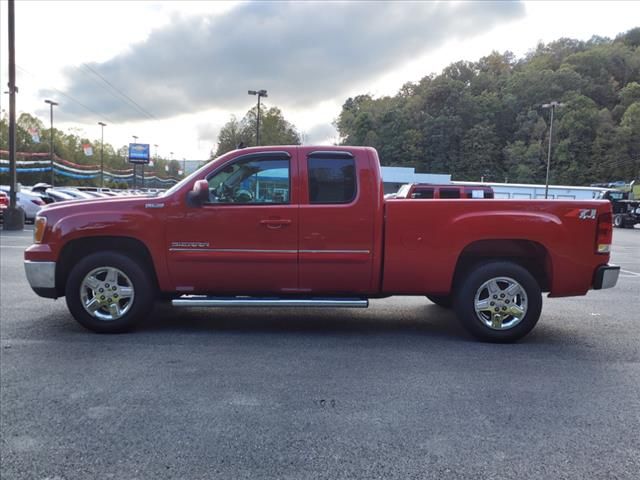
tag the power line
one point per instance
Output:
(102, 85)
(66, 95)
(121, 93)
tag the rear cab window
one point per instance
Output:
(332, 178)
(449, 193)
(423, 193)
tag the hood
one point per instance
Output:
(72, 207)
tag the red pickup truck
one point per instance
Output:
(308, 226)
(430, 190)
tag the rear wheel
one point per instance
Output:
(108, 292)
(499, 302)
(444, 301)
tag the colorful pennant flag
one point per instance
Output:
(35, 135)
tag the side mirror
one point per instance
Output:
(200, 193)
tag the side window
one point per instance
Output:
(423, 193)
(449, 193)
(331, 180)
(252, 181)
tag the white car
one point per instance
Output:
(77, 194)
(30, 202)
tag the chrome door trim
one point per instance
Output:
(230, 250)
(204, 301)
(335, 251)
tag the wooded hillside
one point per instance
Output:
(485, 118)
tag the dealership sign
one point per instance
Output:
(139, 153)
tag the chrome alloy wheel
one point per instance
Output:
(500, 303)
(106, 293)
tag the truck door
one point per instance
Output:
(245, 239)
(337, 211)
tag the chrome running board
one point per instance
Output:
(204, 301)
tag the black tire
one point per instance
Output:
(499, 332)
(617, 221)
(444, 301)
(141, 304)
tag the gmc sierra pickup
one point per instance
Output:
(308, 226)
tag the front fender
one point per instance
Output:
(143, 226)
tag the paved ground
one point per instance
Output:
(396, 391)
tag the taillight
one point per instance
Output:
(604, 233)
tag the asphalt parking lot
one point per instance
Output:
(395, 391)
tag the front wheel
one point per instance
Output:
(108, 292)
(499, 302)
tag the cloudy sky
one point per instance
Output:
(172, 73)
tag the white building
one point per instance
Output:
(524, 191)
(394, 177)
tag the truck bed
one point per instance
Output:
(425, 239)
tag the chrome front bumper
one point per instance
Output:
(41, 276)
(606, 277)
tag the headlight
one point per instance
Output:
(39, 227)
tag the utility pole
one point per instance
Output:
(259, 93)
(51, 105)
(102, 125)
(552, 106)
(14, 215)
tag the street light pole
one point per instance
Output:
(552, 106)
(14, 215)
(102, 125)
(51, 105)
(259, 93)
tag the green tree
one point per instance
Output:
(486, 117)
(630, 135)
(274, 130)
(231, 135)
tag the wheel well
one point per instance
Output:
(75, 250)
(531, 255)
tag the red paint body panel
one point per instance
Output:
(367, 247)
(424, 239)
(337, 240)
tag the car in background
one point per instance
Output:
(56, 196)
(49, 195)
(29, 201)
(93, 194)
(447, 191)
(75, 193)
(4, 203)
(104, 192)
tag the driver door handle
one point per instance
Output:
(275, 223)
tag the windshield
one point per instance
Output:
(404, 190)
